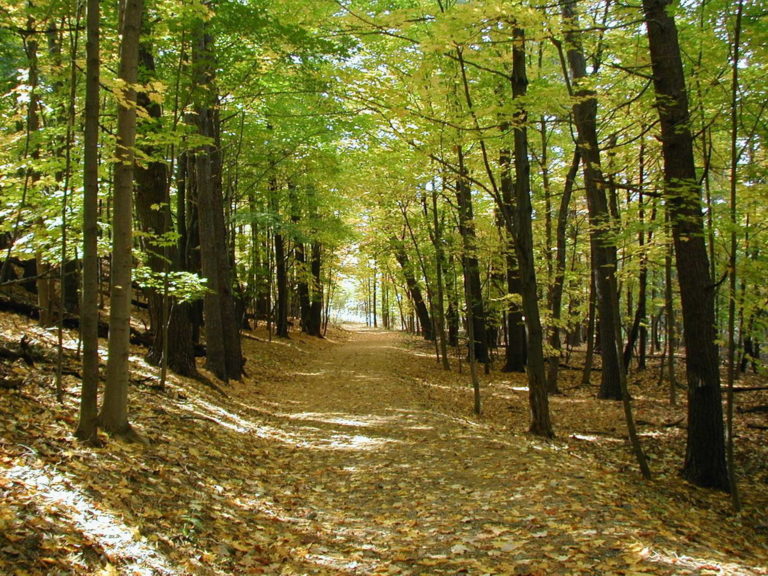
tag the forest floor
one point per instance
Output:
(358, 455)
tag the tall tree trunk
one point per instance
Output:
(589, 356)
(523, 214)
(638, 331)
(189, 234)
(558, 284)
(222, 329)
(302, 283)
(114, 410)
(414, 289)
(42, 268)
(436, 235)
(603, 247)
(733, 261)
(669, 313)
(281, 273)
(89, 308)
(315, 317)
(154, 213)
(299, 259)
(705, 463)
(515, 351)
(470, 263)
(315, 323)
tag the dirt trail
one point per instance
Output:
(386, 484)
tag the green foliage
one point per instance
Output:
(337, 118)
(183, 286)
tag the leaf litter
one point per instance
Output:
(357, 454)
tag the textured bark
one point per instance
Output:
(602, 244)
(44, 273)
(515, 351)
(281, 272)
(222, 329)
(300, 261)
(470, 263)
(315, 318)
(705, 463)
(556, 294)
(154, 213)
(413, 288)
(436, 235)
(89, 308)
(114, 410)
(538, 399)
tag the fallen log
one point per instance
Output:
(753, 410)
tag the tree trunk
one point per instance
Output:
(556, 294)
(589, 357)
(43, 269)
(154, 213)
(705, 463)
(638, 332)
(522, 215)
(515, 351)
(436, 235)
(281, 273)
(114, 410)
(222, 330)
(413, 288)
(470, 264)
(603, 247)
(299, 260)
(315, 320)
(189, 255)
(89, 308)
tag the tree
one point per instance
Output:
(222, 330)
(114, 410)
(705, 463)
(422, 312)
(604, 261)
(537, 386)
(470, 264)
(170, 324)
(89, 307)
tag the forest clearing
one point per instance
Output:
(358, 455)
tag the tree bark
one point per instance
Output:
(154, 213)
(603, 247)
(515, 352)
(114, 410)
(89, 308)
(281, 273)
(558, 284)
(315, 319)
(705, 463)
(541, 424)
(470, 263)
(222, 330)
(436, 235)
(413, 288)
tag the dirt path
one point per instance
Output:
(384, 484)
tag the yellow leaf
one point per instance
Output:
(108, 570)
